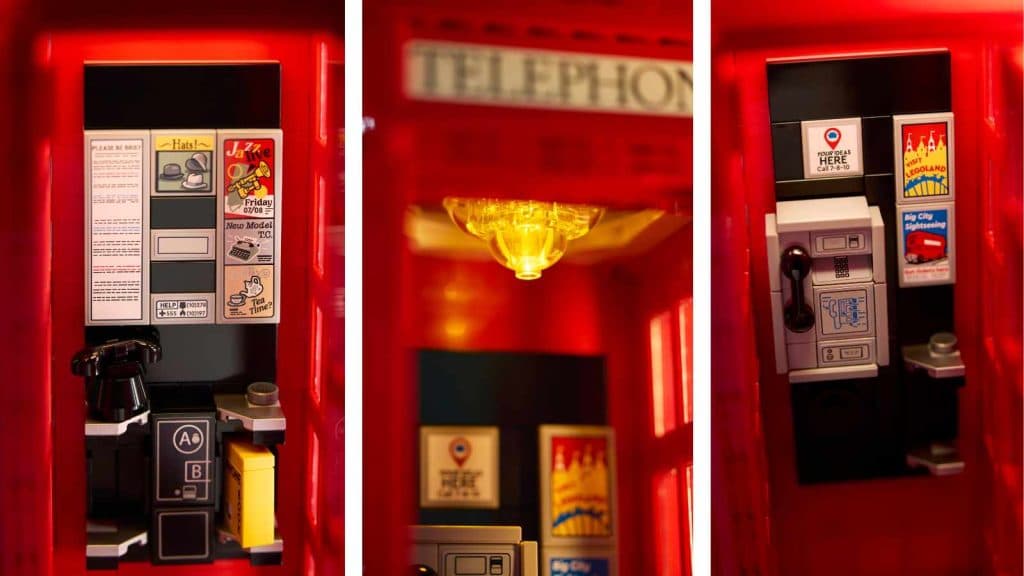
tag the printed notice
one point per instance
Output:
(116, 229)
(844, 311)
(249, 291)
(459, 467)
(832, 148)
(182, 308)
(927, 252)
(249, 241)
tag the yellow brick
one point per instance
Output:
(249, 493)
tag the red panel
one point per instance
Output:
(611, 159)
(1001, 314)
(665, 406)
(468, 305)
(25, 484)
(632, 293)
(905, 526)
(668, 511)
(326, 400)
(753, 23)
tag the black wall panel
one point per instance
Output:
(517, 393)
(157, 96)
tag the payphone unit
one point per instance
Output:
(472, 551)
(826, 262)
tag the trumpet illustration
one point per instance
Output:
(250, 182)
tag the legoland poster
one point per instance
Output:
(925, 160)
(578, 483)
(924, 157)
(579, 487)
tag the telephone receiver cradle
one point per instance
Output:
(113, 373)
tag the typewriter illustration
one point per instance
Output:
(244, 250)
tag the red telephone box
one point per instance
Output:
(767, 518)
(431, 296)
(48, 46)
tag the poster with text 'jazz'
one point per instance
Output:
(249, 226)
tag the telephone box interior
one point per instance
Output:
(454, 338)
(119, 66)
(817, 473)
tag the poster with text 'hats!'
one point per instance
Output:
(183, 162)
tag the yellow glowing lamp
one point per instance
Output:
(525, 236)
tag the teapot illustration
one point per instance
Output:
(253, 287)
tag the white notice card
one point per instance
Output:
(116, 197)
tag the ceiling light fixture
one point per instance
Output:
(525, 236)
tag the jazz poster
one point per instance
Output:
(927, 244)
(924, 157)
(459, 467)
(577, 465)
(249, 223)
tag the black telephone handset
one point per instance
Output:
(91, 361)
(113, 373)
(796, 265)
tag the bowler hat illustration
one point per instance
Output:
(199, 162)
(194, 181)
(171, 172)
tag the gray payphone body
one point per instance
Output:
(473, 551)
(826, 262)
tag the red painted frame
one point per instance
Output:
(408, 161)
(900, 526)
(42, 528)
